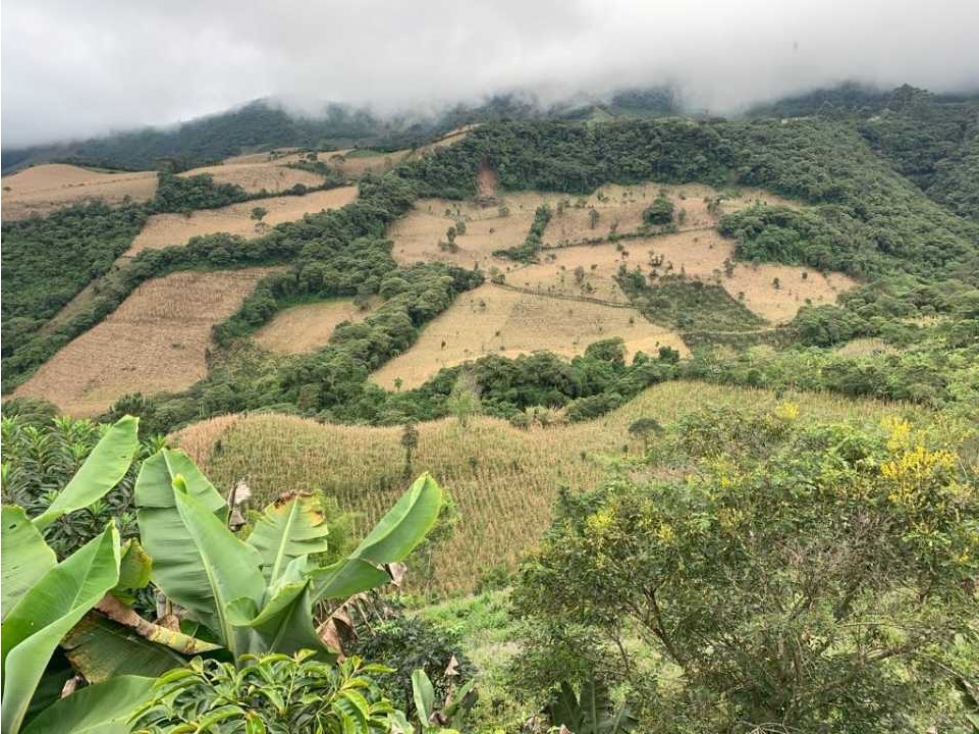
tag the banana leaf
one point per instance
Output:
(24, 556)
(104, 708)
(45, 613)
(103, 469)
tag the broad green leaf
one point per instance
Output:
(100, 709)
(24, 556)
(177, 565)
(101, 649)
(424, 694)
(286, 623)
(288, 530)
(405, 525)
(135, 568)
(103, 469)
(393, 538)
(230, 567)
(37, 622)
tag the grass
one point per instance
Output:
(495, 320)
(156, 341)
(504, 480)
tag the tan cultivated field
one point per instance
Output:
(504, 480)
(495, 320)
(163, 230)
(308, 327)
(269, 156)
(156, 341)
(270, 176)
(417, 235)
(700, 254)
(42, 189)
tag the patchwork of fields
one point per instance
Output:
(156, 341)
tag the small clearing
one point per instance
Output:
(39, 190)
(270, 176)
(307, 327)
(163, 230)
(156, 341)
(495, 320)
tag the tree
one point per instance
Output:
(659, 212)
(593, 217)
(801, 576)
(463, 401)
(258, 213)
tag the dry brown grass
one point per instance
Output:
(156, 341)
(42, 189)
(865, 346)
(271, 176)
(494, 320)
(163, 230)
(307, 327)
(503, 480)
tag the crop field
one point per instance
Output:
(416, 236)
(163, 230)
(495, 320)
(42, 189)
(504, 480)
(156, 341)
(775, 292)
(307, 327)
(253, 177)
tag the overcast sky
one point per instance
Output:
(75, 68)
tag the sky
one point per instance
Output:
(71, 69)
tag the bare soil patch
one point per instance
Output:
(307, 327)
(156, 341)
(494, 320)
(163, 230)
(40, 190)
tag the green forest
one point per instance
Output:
(799, 555)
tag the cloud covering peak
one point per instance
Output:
(75, 69)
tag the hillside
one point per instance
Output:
(504, 480)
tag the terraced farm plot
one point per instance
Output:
(40, 190)
(307, 327)
(271, 176)
(503, 480)
(417, 236)
(495, 320)
(775, 292)
(156, 341)
(163, 230)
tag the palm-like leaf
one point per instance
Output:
(103, 469)
(24, 556)
(45, 613)
(287, 530)
(100, 709)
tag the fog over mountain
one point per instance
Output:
(71, 70)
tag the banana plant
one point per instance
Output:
(593, 712)
(43, 599)
(25, 555)
(257, 596)
(434, 717)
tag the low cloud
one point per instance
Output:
(74, 69)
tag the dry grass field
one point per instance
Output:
(156, 341)
(866, 346)
(253, 177)
(307, 327)
(701, 254)
(163, 230)
(42, 189)
(495, 320)
(504, 480)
